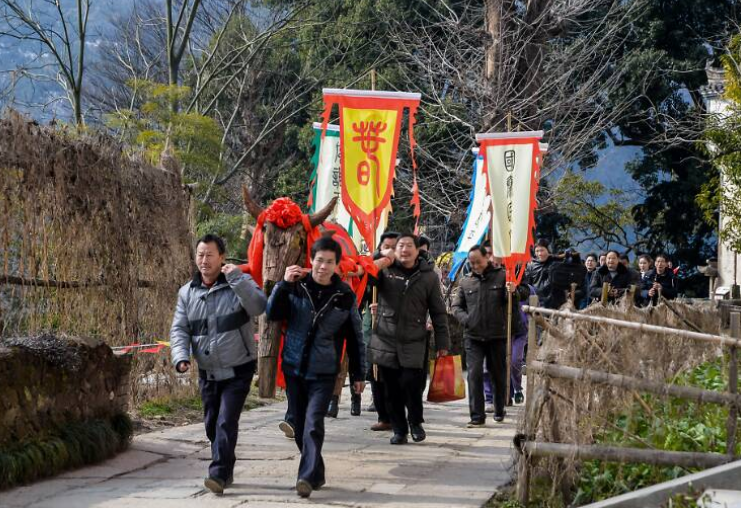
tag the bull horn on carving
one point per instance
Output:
(250, 204)
(317, 218)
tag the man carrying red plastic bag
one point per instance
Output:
(408, 290)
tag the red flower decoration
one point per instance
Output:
(284, 213)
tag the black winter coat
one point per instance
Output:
(668, 285)
(622, 281)
(312, 347)
(537, 274)
(481, 305)
(405, 297)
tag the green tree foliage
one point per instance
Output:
(597, 214)
(673, 425)
(667, 50)
(724, 149)
(156, 127)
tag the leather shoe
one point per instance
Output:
(215, 485)
(500, 417)
(418, 433)
(399, 439)
(381, 426)
(334, 407)
(355, 404)
(303, 488)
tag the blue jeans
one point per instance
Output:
(222, 405)
(309, 401)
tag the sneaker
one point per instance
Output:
(319, 485)
(519, 398)
(399, 439)
(489, 408)
(418, 433)
(287, 429)
(473, 424)
(303, 488)
(380, 426)
(215, 485)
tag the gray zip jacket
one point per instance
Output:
(215, 324)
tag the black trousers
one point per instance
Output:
(222, 405)
(309, 401)
(494, 353)
(378, 390)
(404, 389)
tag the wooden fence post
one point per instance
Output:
(733, 386)
(605, 291)
(524, 465)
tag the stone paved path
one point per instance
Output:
(454, 467)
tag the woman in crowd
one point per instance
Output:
(659, 282)
(645, 264)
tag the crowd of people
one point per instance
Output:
(607, 276)
(386, 338)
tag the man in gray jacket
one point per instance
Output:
(213, 322)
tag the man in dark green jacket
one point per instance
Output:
(481, 307)
(407, 291)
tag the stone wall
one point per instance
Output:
(48, 381)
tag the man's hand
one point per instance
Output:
(295, 272)
(388, 253)
(511, 287)
(229, 268)
(182, 366)
(359, 386)
(442, 352)
(652, 292)
(373, 308)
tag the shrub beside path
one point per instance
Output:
(454, 467)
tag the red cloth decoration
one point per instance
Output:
(284, 213)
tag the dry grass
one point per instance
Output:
(75, 208)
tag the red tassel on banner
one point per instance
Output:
(417, 212)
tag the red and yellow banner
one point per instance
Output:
(370, 124)
(512, 167)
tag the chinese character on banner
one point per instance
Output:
(325, 185)
(512, 166)
(370, 124)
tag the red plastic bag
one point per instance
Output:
(447, 380)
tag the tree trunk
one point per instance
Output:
(492, 25)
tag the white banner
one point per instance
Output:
(478, 216)
(511, 163)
